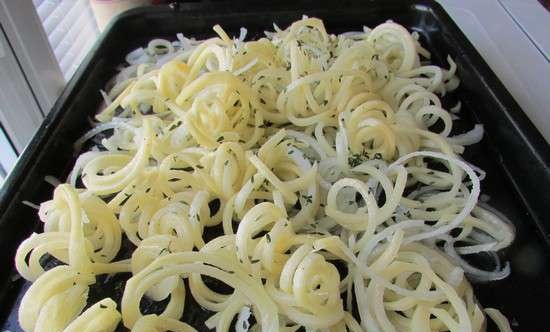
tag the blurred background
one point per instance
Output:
(42, 43)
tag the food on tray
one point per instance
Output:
(324, 164)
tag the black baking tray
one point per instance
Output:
(514, 154)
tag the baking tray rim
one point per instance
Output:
(534, 141)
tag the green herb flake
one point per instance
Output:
(308, 198)
(266, 124)
(357, 159)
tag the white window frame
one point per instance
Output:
(33, 80)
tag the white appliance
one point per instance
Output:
(513, 36)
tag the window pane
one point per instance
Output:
(71, 29)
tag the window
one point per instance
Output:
(42, 42)
(7, 156)
(71, 30)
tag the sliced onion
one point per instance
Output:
(310, 142)
(135, 56)
(106, 97)
(242, 34)
(31, 204)
(94, 131)
(500, 320)
(475, 273)
(242, 324)
(471, 137)
(456, 109)
(469, 203)
(352, 34)
(498, 219)
(329, 172)
(52, 180)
